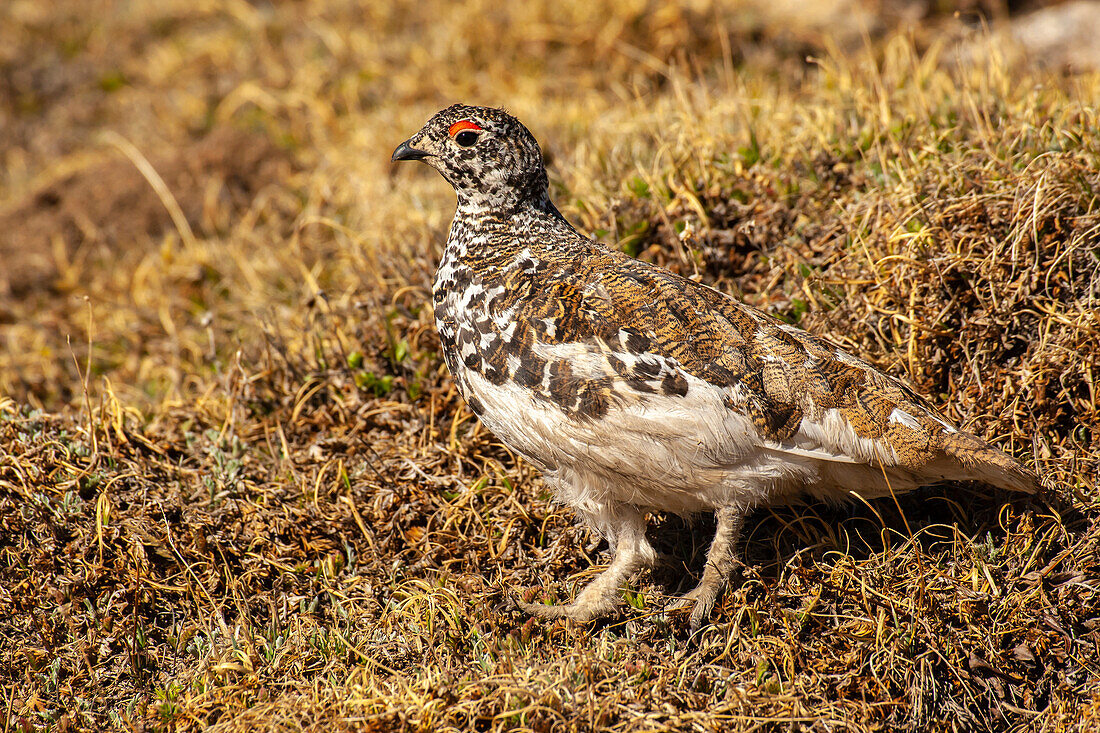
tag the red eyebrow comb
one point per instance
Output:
(460, 126)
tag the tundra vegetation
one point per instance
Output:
(238, 490)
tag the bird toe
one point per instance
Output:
(551, 612)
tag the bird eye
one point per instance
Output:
(466, 138)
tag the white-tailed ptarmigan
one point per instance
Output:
(634, 389)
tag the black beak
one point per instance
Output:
(407, 152)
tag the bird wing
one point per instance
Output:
(594, 333)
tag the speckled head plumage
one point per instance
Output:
(487, 155)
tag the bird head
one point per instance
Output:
(489, 157)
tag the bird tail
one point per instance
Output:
(982, 462)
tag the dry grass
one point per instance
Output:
(238, 490)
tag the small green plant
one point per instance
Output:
(369, 382)
(638, 187)
(167, 697)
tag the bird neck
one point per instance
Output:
(479, 211)
(497, 193)
(482, 230)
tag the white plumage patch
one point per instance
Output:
(680, 454)
(899, 415)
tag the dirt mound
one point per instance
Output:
(110, 205)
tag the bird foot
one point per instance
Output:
(700, 600)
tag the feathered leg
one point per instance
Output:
(632, 552)
(721, 559)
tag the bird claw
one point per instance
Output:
(701, 600)
(540, 610)
(555, 611)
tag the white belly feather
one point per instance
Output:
(680, 454)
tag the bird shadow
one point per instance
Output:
(932, 519)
